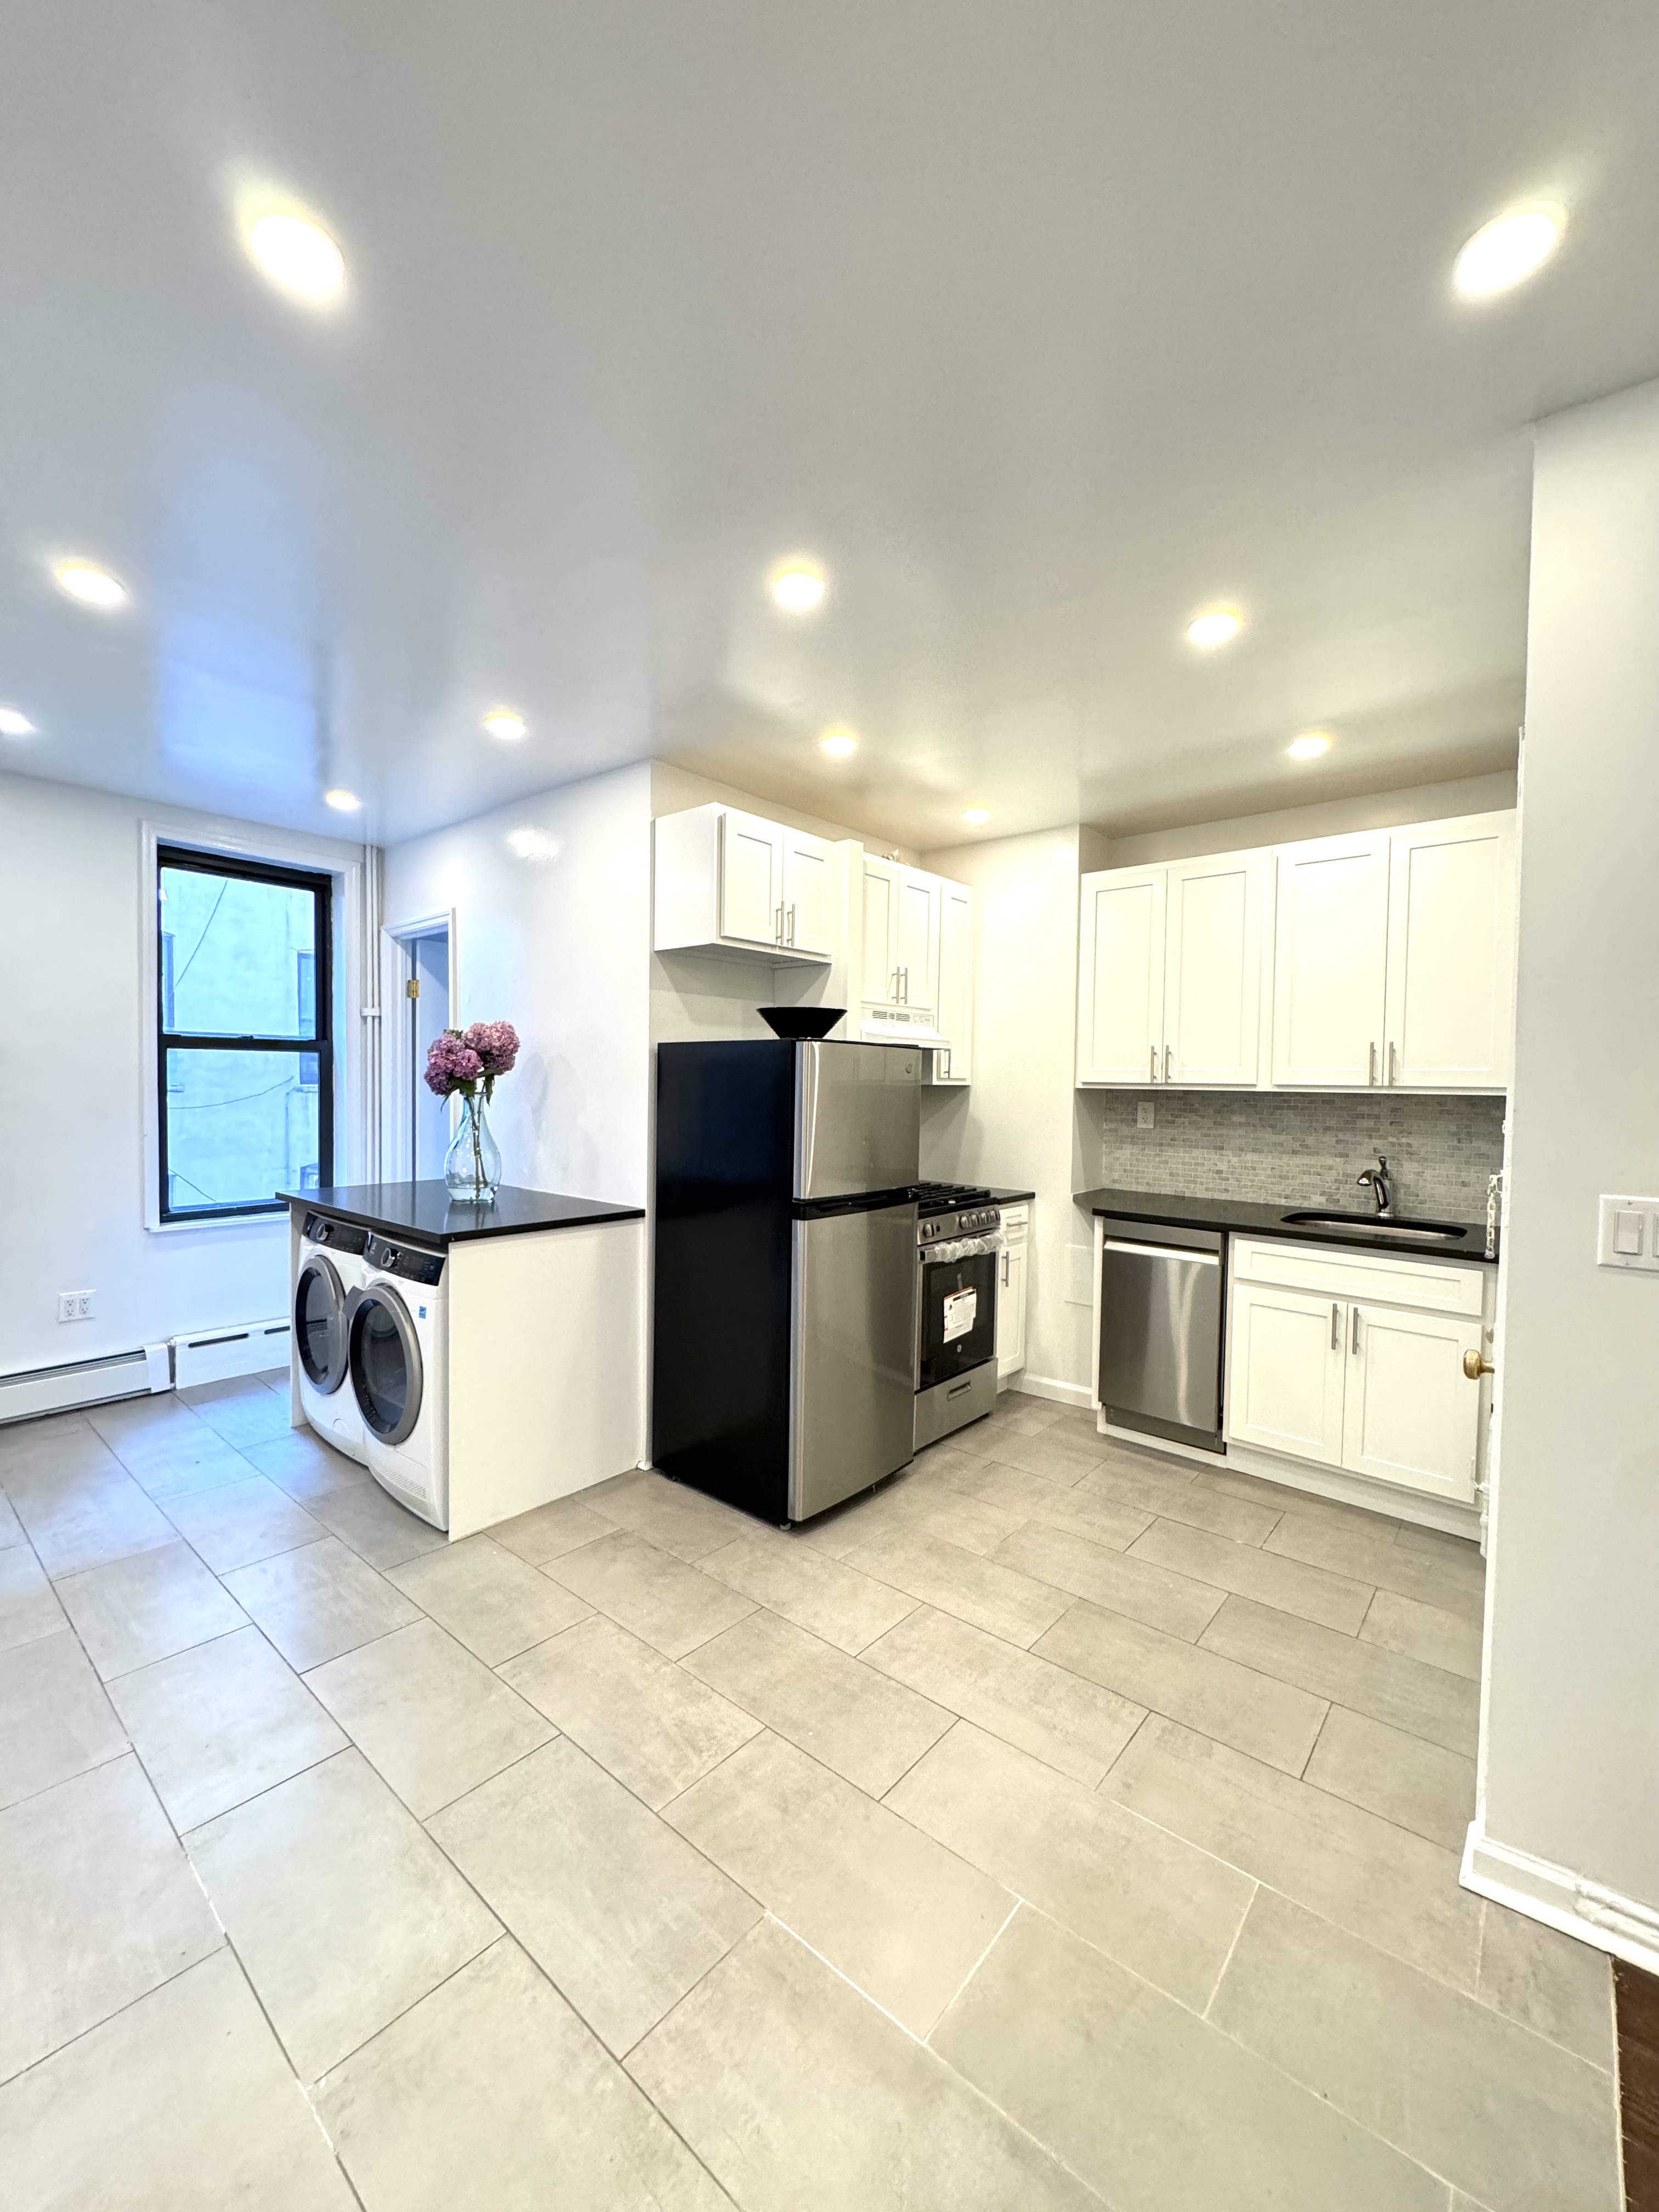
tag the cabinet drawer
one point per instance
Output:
(1431, 1285)
(1016, 1224)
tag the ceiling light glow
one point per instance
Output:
(977, 816)
(342, 802)
(1218, 626)
(1310, 744)
(14, 723)
(299, 257)
(838, 744)
(1506, 251)
(798, 587)
(503, 722)
(92, 586)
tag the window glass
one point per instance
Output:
(241, 1127)
(239, 957)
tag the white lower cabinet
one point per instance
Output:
(1285, 1392)
(1011, 1292)
(1357, 1382)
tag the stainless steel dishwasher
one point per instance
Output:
(1162, 1298)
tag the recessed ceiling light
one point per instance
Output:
(15, 723)
(342, 802)
(1310, 744)
(1507, 250)
(503, 722)
(838, 744)
(1219, 626)
(299, 257)
(798, 587)
(977, 816)
(92, 587)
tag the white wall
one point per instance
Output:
(76, 1023)
(552, 896)
(1016, 1123)
(1571, 1737)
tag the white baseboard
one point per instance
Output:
(1047, 1386)
(1561, 1899)
(245, 1347)
(58, 1390)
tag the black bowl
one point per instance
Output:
(796, 1022)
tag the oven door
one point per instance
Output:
(956, 1317)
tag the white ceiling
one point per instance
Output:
(1040, 323)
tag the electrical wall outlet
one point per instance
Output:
(1144, 1112)
(77, 1305)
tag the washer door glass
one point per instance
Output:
(319, 1324)
(386, 1364)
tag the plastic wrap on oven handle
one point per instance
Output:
(964, 1248)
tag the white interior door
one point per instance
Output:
(956, 978)
(918, 937)
(1286, 1372)
(752, 878)
(1451, 954)
(1411, 1415)
(1121, 977)
(808, 904)
(429, 1016)
(877, 982)
(1330, 962)
(1212, 969)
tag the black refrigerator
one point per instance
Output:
(783, 1336)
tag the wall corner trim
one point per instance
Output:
(1561, 1899)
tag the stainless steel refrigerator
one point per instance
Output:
(785, 1270)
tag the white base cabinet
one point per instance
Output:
(1011, 1292)
(1357, 1362)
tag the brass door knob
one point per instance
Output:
(1475, 1364)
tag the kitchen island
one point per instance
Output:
(491, 1358)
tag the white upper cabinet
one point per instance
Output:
(1330, 962)
(1451, 954)
(727, 881)
(1121, 977)
(900, 961)
(1212, 969)
(953, 1063)
(1385, 960)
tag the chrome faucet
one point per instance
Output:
(1375, 1179)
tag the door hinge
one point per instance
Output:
(412, 988)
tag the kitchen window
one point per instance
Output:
(245, 1044)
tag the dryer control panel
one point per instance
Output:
(337, 1236)
(411, 1261)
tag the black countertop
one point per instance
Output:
(1010, 1197)
(1255, 1218)
(426, 1210)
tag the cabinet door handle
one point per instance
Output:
(896, 977)
(1004, 1271)
(1393, 1059)
(1154, 1063)
(1336, 1327)
(777, 938)
(905, 972)
(1166, 1062)
(791, 922)
(1371, 1063)
(1355, 1344)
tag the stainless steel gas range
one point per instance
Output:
(958, 1241)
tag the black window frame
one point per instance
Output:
(320, 1045)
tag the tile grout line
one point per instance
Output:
(1215, 1987)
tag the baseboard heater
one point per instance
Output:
(84, 1382)
(214, 1354)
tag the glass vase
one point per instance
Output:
(472, 1165)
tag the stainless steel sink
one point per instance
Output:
(1372, 1225)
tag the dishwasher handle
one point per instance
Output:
(1162, 1252)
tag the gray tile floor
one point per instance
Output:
(1055, 1827)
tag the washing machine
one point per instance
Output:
(398, 1352)
(330, 1272)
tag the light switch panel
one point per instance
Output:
(1627, 1233)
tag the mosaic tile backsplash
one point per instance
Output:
(1305, 1148)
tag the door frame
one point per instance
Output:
(397, 1071)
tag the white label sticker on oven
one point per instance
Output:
(959, 1310)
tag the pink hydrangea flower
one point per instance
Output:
(496, 1044)
(452, 1065)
